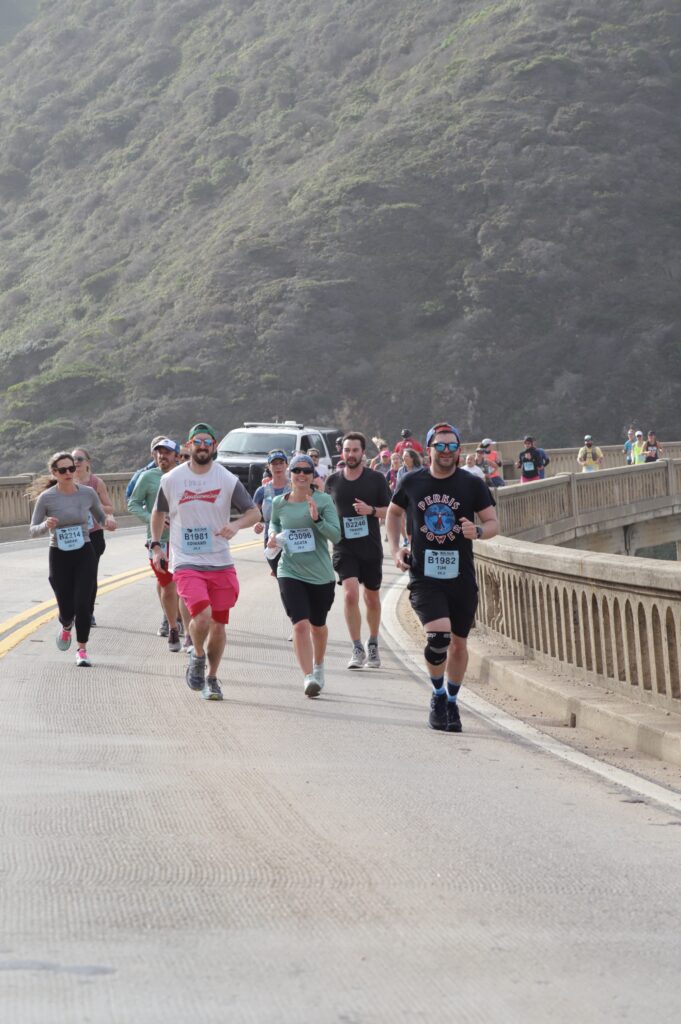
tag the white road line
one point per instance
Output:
(411, 656)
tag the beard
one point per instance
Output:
(202, 456)
(444, 461)
(353, 461)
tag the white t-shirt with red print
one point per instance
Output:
(199, 505)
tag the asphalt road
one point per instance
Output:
(275, 859)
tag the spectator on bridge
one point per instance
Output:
(544, 463)
(529, 462)
(652, 449)
(637, 450)
(628, 449)
(493, 476)
(590, 456)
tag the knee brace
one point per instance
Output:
(435, 650)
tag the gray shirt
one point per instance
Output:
(72, 510)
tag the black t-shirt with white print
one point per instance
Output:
(440, 552)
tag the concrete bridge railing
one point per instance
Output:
(615, 621)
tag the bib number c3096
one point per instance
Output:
(299, 542)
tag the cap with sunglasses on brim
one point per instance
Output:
(442, 428)
(154, 442)
(277, 455)
(165, 442)
(588, 437)
(301, 460)
(201, 428)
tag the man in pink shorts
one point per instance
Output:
(197, 497)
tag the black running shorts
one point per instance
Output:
(433, 600)
(306, 600)
(367, 571)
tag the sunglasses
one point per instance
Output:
(202, 442)
(446, 446)
(79, 458)
(185, 457)
(299, 469)
(65, 469)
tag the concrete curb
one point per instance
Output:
(13, 533)
(626, 722)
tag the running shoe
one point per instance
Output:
(196, 671)
(357, 658)
(174, 643)
(453, 717)
(93, 620)
(373, 658)
(163, 628)
(180, 627)
(312, 687)
(437, 718)
(318, 673)
(187, 644)
(64, 638)
(82, 658)
(211, 689)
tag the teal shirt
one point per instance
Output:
(141, 501)
(308, 566)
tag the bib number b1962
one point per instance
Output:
(441, 565)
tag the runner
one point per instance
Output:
(407, 441)
(442, 502)
(197, 497)
(493, 459)
(138, 472)
(303, 522)
(141, 504)
(628, 449)
(277, 461)
(84, 475)
(321, 471)
(652, 449)
(529, 462)
(62, 509)
(590, 456)
(361, 497)
(637, 451)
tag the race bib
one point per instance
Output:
(528, 467)
(69, 538)
(197, 540)
(441, 565)
(589, 468)
(298, 542)
(355, 526)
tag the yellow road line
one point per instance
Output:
(123, 579)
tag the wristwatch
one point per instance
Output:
(478, 532)
(155, 544)
(373, 510)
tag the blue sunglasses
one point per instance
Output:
(446, 446)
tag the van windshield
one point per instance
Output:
(247, 442)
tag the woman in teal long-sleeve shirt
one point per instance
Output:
(303, 522)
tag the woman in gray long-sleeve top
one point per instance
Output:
(62, 511)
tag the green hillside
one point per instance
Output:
(369, 212)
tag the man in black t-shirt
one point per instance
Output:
(361, 497)
(442, 502)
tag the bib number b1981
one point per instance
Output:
(197, 540)
(441, 565)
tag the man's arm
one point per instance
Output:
(393, 527)
(137, 502)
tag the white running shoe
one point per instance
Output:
(312, 687)
(318, 673)
(82, 658)
(358, 657)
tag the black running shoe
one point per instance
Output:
(453, 717)
(437, 718)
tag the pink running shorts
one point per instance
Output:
(217, 589)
